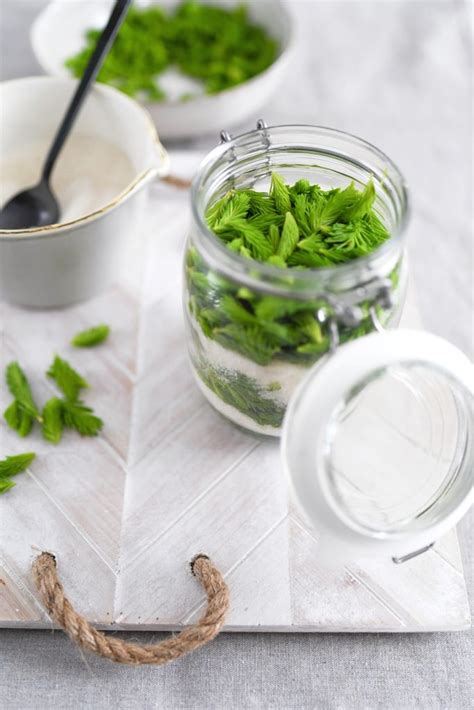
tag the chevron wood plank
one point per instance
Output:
(168, 478)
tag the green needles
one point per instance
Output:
(12, 466)
(220, 47)
(67, 379)
(22, 412)
(291, 227)
(91, 337)
(69, 411)
(58, 413)
(245, 394)
(299, 226)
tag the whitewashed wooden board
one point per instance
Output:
(125, 512)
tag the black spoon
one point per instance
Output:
(37, 206)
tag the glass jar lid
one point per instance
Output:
(377, 443)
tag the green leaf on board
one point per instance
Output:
(6, 485)
(91, 337)
(17, 419)
(53, 423)
(20, 389)
(67, 379)
(12, 465)
(76, 415)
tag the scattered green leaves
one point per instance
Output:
(67, 379)
(91, 337)
(12, 466)
(57, 413)
(6, 485)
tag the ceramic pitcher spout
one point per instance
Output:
(154, 158)
(159, 170)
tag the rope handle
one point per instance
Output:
(86, 636)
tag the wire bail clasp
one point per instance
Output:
(262, 126)
(262, 136)
(384, 299)
(350, 314)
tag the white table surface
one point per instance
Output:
(414, 101)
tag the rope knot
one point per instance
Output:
(198, 563)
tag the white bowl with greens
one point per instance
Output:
(196, 70)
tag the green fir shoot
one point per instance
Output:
(91, 337)
(5, 485)
(18, 420)
(20, 389)
(12, 466)
(289, 237)
(69, 412)
(78, 416)
(53, 422)
(299, 226)
(21, 414)
(67, 379)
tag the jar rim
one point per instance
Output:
(234, 264)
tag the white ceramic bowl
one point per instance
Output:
(69, 262)
(58, 33)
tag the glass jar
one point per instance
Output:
(254, 329)
(377, 422)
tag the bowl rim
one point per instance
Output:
(287, 48)
(59, 228)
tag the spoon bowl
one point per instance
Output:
(35, 207)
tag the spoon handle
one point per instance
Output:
(105, 40)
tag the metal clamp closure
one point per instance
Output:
(411, 555)
(259, 138)
(349, 314)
